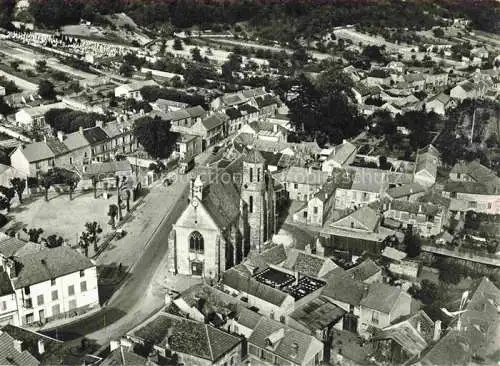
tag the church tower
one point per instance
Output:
(254, 194)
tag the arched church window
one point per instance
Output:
(196, 243)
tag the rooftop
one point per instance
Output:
(382, 297)
(317, 314)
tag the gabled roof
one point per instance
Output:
(441, 97)
(292, 340)
(382, 297)
(187, 336)
(137, 85)
(75, 141)
(196, 111)
(213, 121)
(295, 174)
(428, 209)
(254, 157)
(405, 190)
(341, 287)
(109, 167)
(222, 201)
(343, 152)
(393, 254)
(266, 100)
(37, 151)
(95, 135)
(317, 315)
(274, 255)
(9, 355)
(476, 171)
(16, 247)
(57, 147)
(366, 217)
(44, 108)
(122, 356)
(305, 263)
(237, 281)
(5, 285)
(364, 270)
(48, 264)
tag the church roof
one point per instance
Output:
(254, 157)
(222, 201)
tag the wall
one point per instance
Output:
(365, 320)
(86, 298)
(9, 315)
(21, 83)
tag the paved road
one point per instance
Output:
(141, 295)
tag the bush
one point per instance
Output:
(427, 292)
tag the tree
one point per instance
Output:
(126, 70)
(383, 163)
(91, 233)
(112, 213)
(7, 194)
(46, 90)
(426, 292)
(33, 234)
(195, 53)
(155, 136)
(412, 243)
(373, 53)
(449, 272)
(41, 66)
(15, 65)
(178, 44)
(45, 181)
(19, 185)
(53, 241)
(71, 181)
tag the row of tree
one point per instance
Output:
(68, 120)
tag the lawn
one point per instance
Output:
(61, 216)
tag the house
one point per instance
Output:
(426, 166)
(34, 117)
(409, 192)
(396, 66)
(439, 104)
(381, 306)
(362, 92)
(165, 105)
(108, 175)
(122, 354)
(479, 52)
(212, 129)
(427, 218)
(341, 156)
(274, 343)
(355, 232)
(8, 304)
(415, 81)
(52, 283)
(406, 339)
(133, 90)
(189, 341)
(301, 183)
(267, 105)
(186, 117)
(472, 186)
(378, 77)
(308, 264)
(225, 218)
(33, 159)
(234, 99)
(121, 139)
(266, 131)
(436, 80)
(399, 265)
(368, 186)
(469, 89)
(316, 210)
(188, 146)
(473, 336)
(367, 272)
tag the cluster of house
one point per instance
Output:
(395, 88)
(39, 285)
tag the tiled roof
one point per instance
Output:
(123, 357)
(271, 158)
(196, 111)
(405, 190)
(393, 254)
(479, 188)
(10, 356)
(304, 263)
(233, 113)
(343, 152)
(317, 314)
(48, 264)
(381, 297)
(292, 339)
(16, 247)
(75, 140)
(5, 285)
(364, 270)
(187, 336)
(366, 216)
(107, 167)
(476, 171)
(137, 85)
(414, 207)
(274, 255)
(113, 129)
(300, 175)
(266, 100)
(213, 121)
(37, 151)
(95, 135)
(235, 280)
(255, 92)
(222, 201)
(57, 147)
(254, 157)
(343, 288)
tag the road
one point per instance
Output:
(141, 294)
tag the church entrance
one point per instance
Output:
(196, 268)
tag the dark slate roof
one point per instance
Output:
(415, 207)
(95, 135)
(235, 280)
(233, 113)
(343, 288)
(482, 188)
(196, 111)
(5, 285)
(48, 264)
(247, 108)
(187, 336)
(57, 147)
(285, 346)
(274, 255)
(213, 121)
(307, 264)
(123, 357)
(271, 158)
(254, 157)
(222, 201)
(37, 151)
(14, 246)
(265, 100)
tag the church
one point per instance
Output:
(229, 214)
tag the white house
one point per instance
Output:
(30, 117)
(8, 304)
(133, 90)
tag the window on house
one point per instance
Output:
(27, 290)
(472, 204)
(83, 286)
(56, 309)
(72, 304)
(71, 160)
(196, 242)
(39, 300)
(258, 174)
(296, 186)
(250, 204)
(305, 214)
(315, 209)
(28, 303)
(4, 305)
(82, 273)
(375, 317)
(489, 205)
(30, 318)
(53, 282)
(71, 290)
(251, 174)
(55, 295)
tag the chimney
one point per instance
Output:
(167, 338)
(297, 276)
(99, 123)
(41, 347)
(18, 345)
(60, 136)
(419, 208)
(419, 326)
(80, 130)
(437, 331)
(44, 138)
(275, 128)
